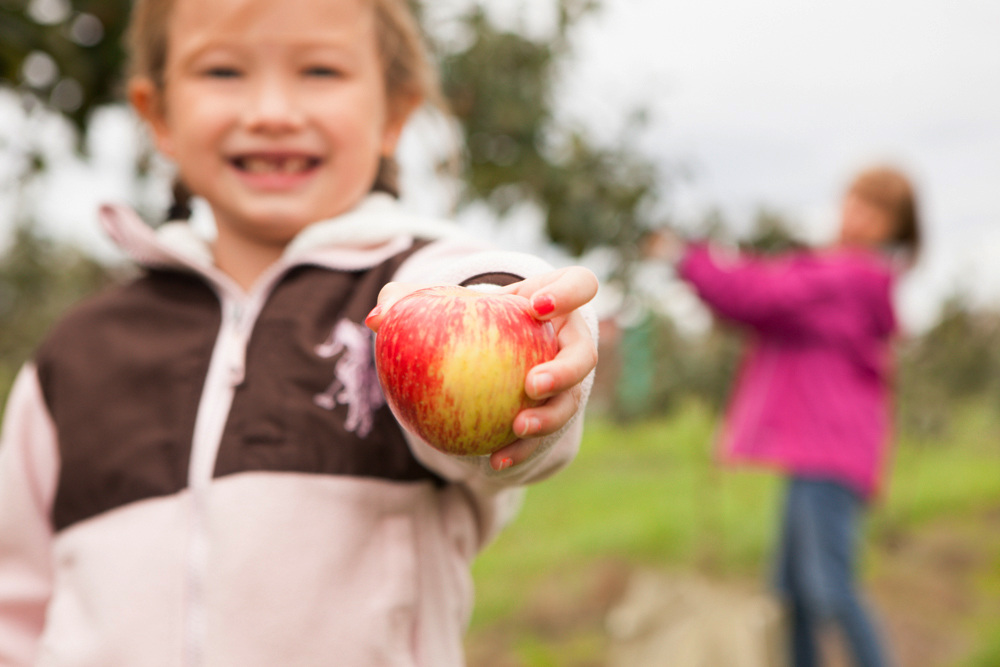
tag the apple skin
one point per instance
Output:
(452, 364)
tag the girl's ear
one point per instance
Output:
(148, 101)
(400, 111)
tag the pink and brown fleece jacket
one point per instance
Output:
(191, 475)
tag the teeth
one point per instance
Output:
(295, 165)
(256, 165)
(279, 165)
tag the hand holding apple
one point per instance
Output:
(452, 364)
(555, 296)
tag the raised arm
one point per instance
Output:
(759, 293)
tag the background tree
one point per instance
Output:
(66, 55)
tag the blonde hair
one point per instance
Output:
(406, 64)
(891, 191)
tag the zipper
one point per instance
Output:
(226, 371)
(213, 412)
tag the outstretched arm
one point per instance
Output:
(555, 296)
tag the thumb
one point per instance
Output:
(389, 295)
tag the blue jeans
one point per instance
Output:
(816, 571)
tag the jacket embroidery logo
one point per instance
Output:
(355, 381)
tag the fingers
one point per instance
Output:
(549, 417)
(559, 381)
(534, 423)
(512, 454)
(557, 293)
(390, 294)
(576, 358)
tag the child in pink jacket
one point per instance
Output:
(813, 397)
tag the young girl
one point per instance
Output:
(198, 468)
(813, 396)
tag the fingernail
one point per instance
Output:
(530, 425)
(543, 304)
(376, 311)
(504, 464)
(541, 383)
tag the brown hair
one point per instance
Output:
(409, 73)
(890, 190)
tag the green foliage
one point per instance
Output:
(957, 360)
(39, 279)
(988, 655)
(84, 40)
(500, 89)
(772, 234)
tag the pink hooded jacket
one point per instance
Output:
(812, 396)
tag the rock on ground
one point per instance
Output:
(685, 621)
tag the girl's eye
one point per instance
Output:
(322, 71)
(222, 72)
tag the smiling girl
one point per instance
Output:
(198, 468)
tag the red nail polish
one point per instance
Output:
(543, 304)
(376, 311)
(506, 463)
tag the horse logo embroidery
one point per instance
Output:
(355, 381)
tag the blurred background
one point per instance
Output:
(580, 125)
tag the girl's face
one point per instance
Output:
(864, 224)
(274, 112)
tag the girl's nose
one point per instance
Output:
(274, 107)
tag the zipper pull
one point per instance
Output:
(236, 373)
(237, 362)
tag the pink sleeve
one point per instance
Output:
(29, 465)
(760, 293)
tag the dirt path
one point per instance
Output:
(933, 588)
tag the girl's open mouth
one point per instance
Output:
(276, 172)
(275, 164)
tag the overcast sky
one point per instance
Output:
(763, 102)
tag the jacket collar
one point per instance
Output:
(366, 236)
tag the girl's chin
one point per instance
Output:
(283, 216)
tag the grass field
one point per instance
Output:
(649, 495)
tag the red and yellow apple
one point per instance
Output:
(452, 363)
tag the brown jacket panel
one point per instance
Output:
(122, 376)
